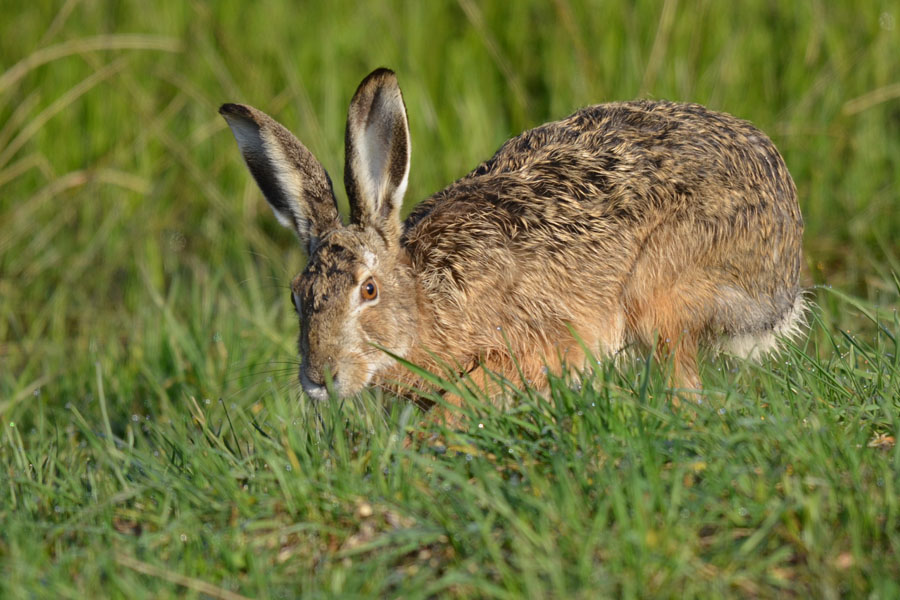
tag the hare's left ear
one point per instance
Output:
(377, 154)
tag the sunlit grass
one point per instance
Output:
(779, 483)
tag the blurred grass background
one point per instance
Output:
(139, 264)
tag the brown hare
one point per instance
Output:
(627, 223)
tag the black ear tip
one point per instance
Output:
(380, 74)
(234, 110)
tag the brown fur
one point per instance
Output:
(630, 223)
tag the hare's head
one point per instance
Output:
(356, 295)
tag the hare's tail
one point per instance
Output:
(756, 344)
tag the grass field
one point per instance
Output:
(152, 443)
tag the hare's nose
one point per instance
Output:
(320, 376)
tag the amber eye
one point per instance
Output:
(368, 290)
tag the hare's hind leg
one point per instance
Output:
(685, 376)
(673, 317)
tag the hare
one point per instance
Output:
(633, 223)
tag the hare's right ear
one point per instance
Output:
(295, 184)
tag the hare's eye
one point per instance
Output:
(368, 291)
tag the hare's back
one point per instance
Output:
(631, 162)
(654, 151)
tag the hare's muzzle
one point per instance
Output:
(316, 380)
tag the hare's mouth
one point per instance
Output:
(315, 391)
(350, 379)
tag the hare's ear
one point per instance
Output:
(296, 186)
(377, 153)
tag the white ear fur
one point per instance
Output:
(377, 152)
(251, 140)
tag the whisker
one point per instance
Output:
(284, 362)
(250, 381)
(276, 370)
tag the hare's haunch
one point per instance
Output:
(637, 222)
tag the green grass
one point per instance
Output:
(152, 443)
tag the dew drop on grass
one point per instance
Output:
(183, 537)
(743, 511)
(207, 401)
(481, 426)
(57, 509)
(287, 467)
(68, 406)
(135, 418)
(468, 457)
(37, 392)
(721, 411)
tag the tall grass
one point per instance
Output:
(153, 442)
